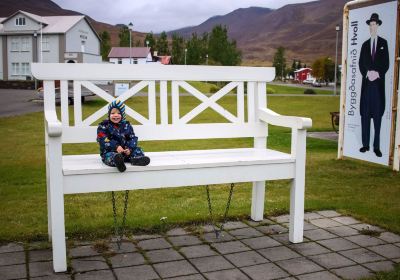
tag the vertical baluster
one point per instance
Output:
(164, 102)
(64, 103)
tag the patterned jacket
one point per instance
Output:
(110, 136)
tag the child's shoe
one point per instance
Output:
(119, 162)
(141, 161)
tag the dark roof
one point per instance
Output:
(123, 52)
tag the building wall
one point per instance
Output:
(30, 25)
(126, 60)
(50, 50)
(18, 54)
(82, 34)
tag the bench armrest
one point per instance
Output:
(53, 125)
(273, 118)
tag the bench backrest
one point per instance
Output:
(244, 123)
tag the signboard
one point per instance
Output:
(120, 88)
(371, 48)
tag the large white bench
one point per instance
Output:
(71, 174)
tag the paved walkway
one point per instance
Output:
(335, 247)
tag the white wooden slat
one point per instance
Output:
(135, 115)
(152, 103)
(164, 102)
(98, 91)
(173, 132)
(251, 108)
(240, 102)
(208, 102)
(64, 103)
(77, 103)
(49, 95)
(95, 116)
(262, 94)
(132, 91)
(149, 72)
(175, 102)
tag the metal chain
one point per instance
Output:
(119, 232)
(218, 231)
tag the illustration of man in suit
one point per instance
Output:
(373, 64)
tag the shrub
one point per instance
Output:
(309, 91)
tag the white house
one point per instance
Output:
(27, 38)
(138, 55)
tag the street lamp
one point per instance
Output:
(185, 55)
(337, 34)
(130, 26)
(147, 43)
(207, 59)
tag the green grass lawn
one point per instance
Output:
(366, 191)
(282, 89)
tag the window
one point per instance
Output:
(83, 46)
(20, 21)
(135, 61)
(119, 60)
(45, 44)
(25, 44)
(25, 69)
(15, 44)
(14, 68)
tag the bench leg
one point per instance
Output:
(297, 188)
(55, 197)
(257, 201)
(58, 229)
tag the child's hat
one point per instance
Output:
(118, 105)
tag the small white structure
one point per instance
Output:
(72, 174)
(27, 38)
(137, 55)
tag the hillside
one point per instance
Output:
(306, 30)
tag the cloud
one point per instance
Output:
(163, 15)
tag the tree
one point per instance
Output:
(162, 44)
(195, 53)
(293, 68)
(124, 38)
(178, 49)
(298, 66)
(150, 39)
(220, 49)
(105, 45)
(280, 62)
(323, 69)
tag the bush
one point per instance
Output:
(214, 89)
(309, 91)
(270, 90)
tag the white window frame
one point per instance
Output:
(25, 44)
(25, 69)
(20, 21)
(15, 42)
(45, 43)
(15, 69)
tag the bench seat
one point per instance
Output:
(177, 168)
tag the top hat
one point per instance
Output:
(374, 17)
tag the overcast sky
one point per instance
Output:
(163, 15)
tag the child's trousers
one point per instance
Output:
(108, 158)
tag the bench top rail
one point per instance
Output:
(247, 84)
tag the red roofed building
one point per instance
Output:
(303, 74)
(138, 55)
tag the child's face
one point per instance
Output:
(115, 115)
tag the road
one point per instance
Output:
(304, 86)
(15, 102)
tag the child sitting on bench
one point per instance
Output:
(117, 140)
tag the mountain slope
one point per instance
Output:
(306, 30)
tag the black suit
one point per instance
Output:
(372, 102)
